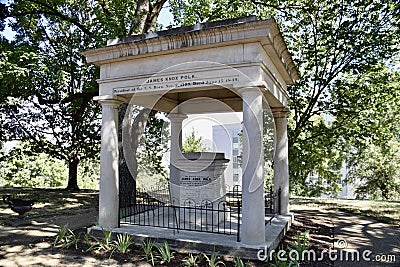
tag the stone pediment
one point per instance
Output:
(198, 37)
(165, 69)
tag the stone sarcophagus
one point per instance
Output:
(200, 179)
(200, 183)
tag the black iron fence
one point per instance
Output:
(154, 208)
(272, 200)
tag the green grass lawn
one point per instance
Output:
(50, 202)
(384, 211)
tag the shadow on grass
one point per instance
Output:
(383, 211)
(52, 208)
(50, 202)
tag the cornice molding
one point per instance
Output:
(281, 112)
(110, 100)
(264, 31)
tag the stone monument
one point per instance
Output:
(243, 63)
(200, 183)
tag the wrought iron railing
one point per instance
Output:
(154, 208)
(271, 198)
(151, 210)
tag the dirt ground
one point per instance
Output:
(52, 209)
(30, 245)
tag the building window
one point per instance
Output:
(235, 158)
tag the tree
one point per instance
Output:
(328, 39)
(51, 106)
(269, 148)
(21, 167)
(377, 169)
(193, 143)
(149, 171)
(154, 145)
(374, 160)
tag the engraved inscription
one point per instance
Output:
(195, 180)
(204, 185)
(175, 81)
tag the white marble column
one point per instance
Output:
(281, 166)
(253, 218)
(175, 153)
(109, 187)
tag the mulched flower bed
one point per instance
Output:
(320, 238)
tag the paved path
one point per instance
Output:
(375, 243)
(354, 235)
(19, 246)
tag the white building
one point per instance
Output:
(227, 140)
(348, 189)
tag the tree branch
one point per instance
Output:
(51, 12)
(154, 11)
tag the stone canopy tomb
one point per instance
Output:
(237, 65)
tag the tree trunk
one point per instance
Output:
(73, 175)
(146, 16)
(128, 167)
(127, 183)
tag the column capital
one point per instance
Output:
(248, 90)
(109, 100)
(176, 117)
(281, 112)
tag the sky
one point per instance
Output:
(8, 33)
(166, 18)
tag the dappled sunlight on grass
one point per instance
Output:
(49, 202)
(384, 211)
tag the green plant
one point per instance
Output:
(213, 260)
(148, 250)
(123, 242)
(299, 246)
(61, 234)
(239, 262)
(105, 243)
(67, 237)
(301, 242)
(72, 239)
(86, 239)
(165, 252)
(282, 263)
(277, 262)
(190, 260)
